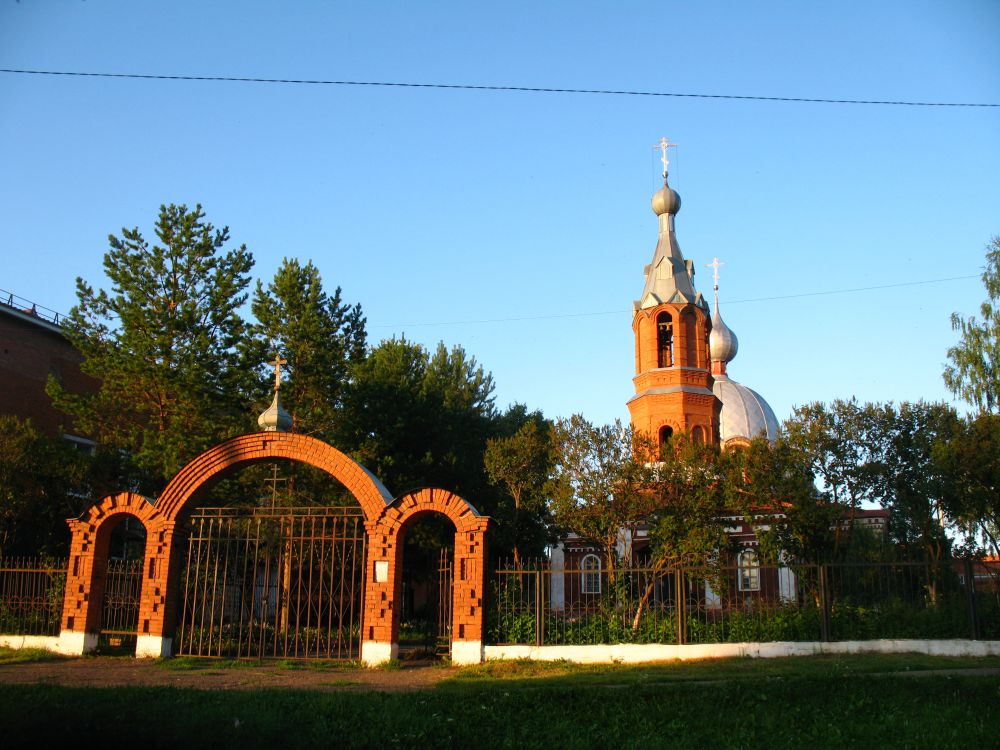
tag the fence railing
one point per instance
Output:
(31, 595)
(543, 605)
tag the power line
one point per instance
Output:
(474, 87)
(728, 302)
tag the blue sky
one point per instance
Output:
(517, 224)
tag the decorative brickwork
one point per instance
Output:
(675, 390)
(88, 560)
(385, 554)
(385, 519)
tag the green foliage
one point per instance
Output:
(974, 372)
(521, 464)
(164, 343)
(970, 460)
(320, 337)
(600, 482)
(772, 486)
(41, 484)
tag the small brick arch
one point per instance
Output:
(91, 536)
(384, 572)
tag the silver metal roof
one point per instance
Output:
(745, 413)
(669, 278)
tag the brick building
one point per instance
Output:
(33, 347)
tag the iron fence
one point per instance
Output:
(542, 605)
(31, 595)
(283, 582)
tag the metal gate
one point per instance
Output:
(120, 606)
(273, 582)
(445, 591)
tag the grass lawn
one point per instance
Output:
(824, 702)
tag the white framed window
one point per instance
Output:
(590, 574)
(748, 571)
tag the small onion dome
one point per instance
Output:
(666, 201)
(745, 414)
(722, 342)
(275, 418)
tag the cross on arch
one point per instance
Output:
(277, 362)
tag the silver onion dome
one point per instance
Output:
(722, 342)
(745, 414)
(666, 201)
(275, 418)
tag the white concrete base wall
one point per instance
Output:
(466, 652)
(374, 653)
(632, 653)
(73, 643)
(153, 647)
(16, 642)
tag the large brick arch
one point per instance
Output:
(227, 457)
(385, 580)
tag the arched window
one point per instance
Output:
(697, 435)
(590, 574)
(666, 432)
(664, 340)
(690, 341)
(749, 571)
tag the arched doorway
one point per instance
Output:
(122, 593)
(427, 572)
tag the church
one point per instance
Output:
(682, 384)
(682, 351)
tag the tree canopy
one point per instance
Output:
(974, 370)
(164, 343)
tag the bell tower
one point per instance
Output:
(671, 325)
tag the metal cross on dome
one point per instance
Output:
(277, 362)
(715, 265)
(663, 145)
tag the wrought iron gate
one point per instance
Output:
(445, 592)
(274, 582)
(120, 606)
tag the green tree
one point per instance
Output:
(969, 461)
(319, 336)
(600, 485)
(909, 482)
(521, 463)
(685, 511)
(42, 483)
(841, 443)
(974, 372)
(164, 343)
(773, 486)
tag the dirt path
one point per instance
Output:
(109, 671)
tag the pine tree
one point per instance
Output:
(320, 337)
(165, 343)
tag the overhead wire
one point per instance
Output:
(486, 87)
(528, 318)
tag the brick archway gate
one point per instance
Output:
(384, 518)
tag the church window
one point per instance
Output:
(666, 432)
(698, 435)
(590, 574)
(748, 571)
(664, 340)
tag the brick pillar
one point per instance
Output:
(160, 580)
(469, 584)
(383, 585)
